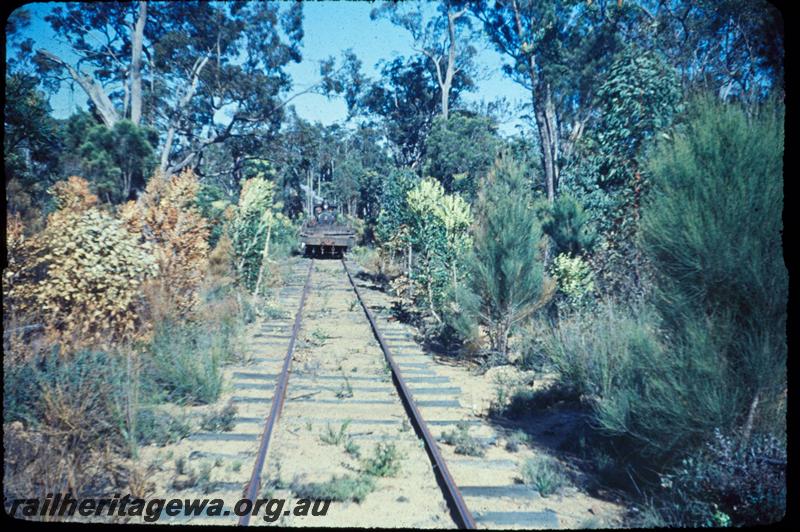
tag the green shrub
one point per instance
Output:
(333, 436)
(222, 420)
(711, 352)
(728, 481)
(712, 230)
(93, 382)
(574, 278)
(521, 402)
(385, 461)
(341, 489)
(515, 440)
(528, 343)
(394, 207)
(21, 391)
(185, 363)
(544, 474)
(160, 428)
(594, 352)
(352, 448)
(440, 238)
(659, 401)
(506, 281)
(464, 443)
(567, 224)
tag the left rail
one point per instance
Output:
(278, 398)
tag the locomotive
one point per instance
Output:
(322, 235)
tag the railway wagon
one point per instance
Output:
(323, 236)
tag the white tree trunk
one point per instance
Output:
(108, 113)
(197, 69)
(137, 40)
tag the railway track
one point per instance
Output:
(340, 365)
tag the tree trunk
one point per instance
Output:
(106, 110)
(446, 81)
(178, 112)
(451, 63)
(544, 113)
(547, 127)
(137, 40)
(430, 300)
(166, 149)
(127, 178)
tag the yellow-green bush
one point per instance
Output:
(574, 277)
(252, 228)
(439, 234)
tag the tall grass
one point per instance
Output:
(58, 413)
(185, 363)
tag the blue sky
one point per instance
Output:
(330, 28)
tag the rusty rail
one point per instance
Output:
(453, 495)
(278, 398)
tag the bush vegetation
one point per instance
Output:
(385, 461)
(506, 281)
(462, 440)
(345, 488)
(222, 420)
(134, 315)
(544, 474)
(185, 363)
(707, 353)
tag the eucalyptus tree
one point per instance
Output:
(108, 39)
(227, 60)
(201, 72)
(461, 150)
(444, 39)
(406, 100)
(731, 48)
(293, 154)
(557, 49)
(31, 135)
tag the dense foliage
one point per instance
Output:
(166, 218)
(438, 234)
(721, 280)
(460, 150)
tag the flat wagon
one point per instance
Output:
(322, 235)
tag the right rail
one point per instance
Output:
(458, 507)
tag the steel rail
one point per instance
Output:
(452, 493)
(278, 398)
